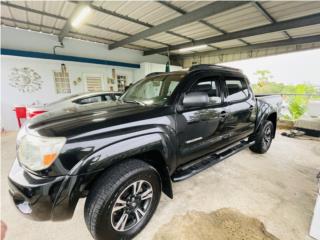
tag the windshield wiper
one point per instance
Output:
(134, 101)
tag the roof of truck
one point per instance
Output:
(199, 67)
(213, 67)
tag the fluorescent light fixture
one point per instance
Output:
(83, 13)
(193, 48)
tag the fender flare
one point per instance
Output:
(90, 168)
(265, 112)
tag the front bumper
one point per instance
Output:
(41, 198)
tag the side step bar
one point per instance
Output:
(203, 163)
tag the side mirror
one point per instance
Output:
(195, 99)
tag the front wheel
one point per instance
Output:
(263, 138)
(122, 201)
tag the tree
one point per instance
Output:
(297, 104)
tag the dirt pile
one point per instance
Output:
(224, 224)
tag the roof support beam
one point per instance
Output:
(287, 42)
(181, 11)
(67, 27)
(196, 15)
(274, 27)
(267, 15)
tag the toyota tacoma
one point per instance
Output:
(121, 155)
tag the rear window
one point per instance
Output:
(209, 86)
(237, 90)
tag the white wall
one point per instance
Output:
(146, 68)
(11, 96)
(31, 41)
(19, 39)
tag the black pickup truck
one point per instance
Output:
(122, 155)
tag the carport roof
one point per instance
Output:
(156, 27)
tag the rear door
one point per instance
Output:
(199, 129)
(240, 108)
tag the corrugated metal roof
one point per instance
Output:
(196, 30)
(243, 17)
(189, 6)
(168, 38)
(305, 31)
(268, 37)
(229, 44)
(148, 44)
(104, 20)
(113, 21)
(284, 10)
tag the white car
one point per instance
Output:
(73, 101)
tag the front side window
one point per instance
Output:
(237, 90)
(208, 86)
(153, 90)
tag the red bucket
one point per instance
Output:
(21, 113)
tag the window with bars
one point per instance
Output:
(62, 83)
(94, 83)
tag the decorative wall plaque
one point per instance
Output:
(25, 80)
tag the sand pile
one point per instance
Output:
(224, 224)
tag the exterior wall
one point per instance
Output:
(18, 39)
(146, 68)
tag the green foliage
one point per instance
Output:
(297, 104)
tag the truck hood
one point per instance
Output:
(72, 121)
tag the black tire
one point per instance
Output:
(119, 182)
(263, 138)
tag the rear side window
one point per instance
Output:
(90, 100)
(237, 90)
(209, 86)
(108, 97)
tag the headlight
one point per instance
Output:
(38, 153)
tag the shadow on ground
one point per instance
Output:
(219, 225)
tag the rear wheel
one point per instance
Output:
(122, 201)
(263, 138)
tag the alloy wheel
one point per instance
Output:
(131, 206)
(267, 136)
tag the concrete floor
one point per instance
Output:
(278, 188)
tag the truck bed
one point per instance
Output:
(275, 100)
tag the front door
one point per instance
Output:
(199, 128)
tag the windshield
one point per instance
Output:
(153, 90)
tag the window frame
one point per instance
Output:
(217, 78)
(226, 91)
